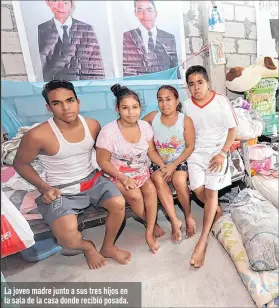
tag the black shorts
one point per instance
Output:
(181, 167)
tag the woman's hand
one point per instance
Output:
(127, 182)
(168, 171)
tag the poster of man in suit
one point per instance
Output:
(147, 48)
(69, 48)
(65, 39)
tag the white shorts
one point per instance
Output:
(199, 175)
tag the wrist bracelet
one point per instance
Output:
(119, 172)
(223, 154)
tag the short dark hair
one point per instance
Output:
(123, 92)
(175, 93)
(57, 84)
(152, 1)
(196, 69)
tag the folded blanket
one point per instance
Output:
(257, 222)
(9, 148)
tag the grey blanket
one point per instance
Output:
(257, 221)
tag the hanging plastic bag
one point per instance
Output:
(250, 124)
(16, 234)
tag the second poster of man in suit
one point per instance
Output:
(152, 37)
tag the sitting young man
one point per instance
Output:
(64, 146)
(215, 130)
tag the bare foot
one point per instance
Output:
(158, 232)
(152, 243)
(190, 226)
(94, 259)
(119, 255)
(218, 214)
(198, 256)
(176, 231)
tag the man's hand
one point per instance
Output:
(50, 195)
(216, 163)
(168, 171)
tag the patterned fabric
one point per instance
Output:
(169, 140)
(24, 201)
(181, 167)
(129, 158)
(137, 60)
(79, 60)
(262, 286)
(257, 221)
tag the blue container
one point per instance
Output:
(41, 250)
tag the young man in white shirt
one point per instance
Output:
(215, 130)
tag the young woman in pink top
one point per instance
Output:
(124, 147)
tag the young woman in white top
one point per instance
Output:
(174, 138)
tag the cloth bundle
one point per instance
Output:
(9, 148)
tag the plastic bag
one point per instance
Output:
(263, 96)
(16, 234)
(250, 124)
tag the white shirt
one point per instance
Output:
(145, 36)
(211, 121)
(59, 26)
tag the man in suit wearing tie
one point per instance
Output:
(148, 49)
(69, 49)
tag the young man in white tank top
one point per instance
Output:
(64, 145)
(215, 130)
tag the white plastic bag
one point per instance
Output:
(250, 124)
(16, 234)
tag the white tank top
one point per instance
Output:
(73, 161)
(169, 140)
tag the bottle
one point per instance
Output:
(274, 130)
